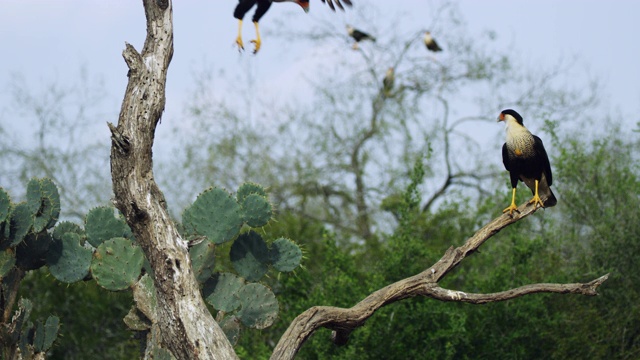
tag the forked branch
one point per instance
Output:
(343, 321)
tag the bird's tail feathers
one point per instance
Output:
(548, 198)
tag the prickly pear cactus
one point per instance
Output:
(203, 256)
(7, 261)
(101, 224)
(258, 306)
(19, 224)
(256, 210)
(116, 264)
(31, 252)
(43, 202)
(67, 259)
(5, 205)
(250, 256)
(221, 291)
(215, 214)
(285, 255)
(249, 188)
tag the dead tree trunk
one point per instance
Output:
(186, 327)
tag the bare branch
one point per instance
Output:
(185, 325)
(344, 321)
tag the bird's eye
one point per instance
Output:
(501, 117)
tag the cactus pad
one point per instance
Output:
(231, 327)
(203, 256)
(256, 210)
(5, 205)
(258, 307)
(144, 295)
(51, 328)
(215, 214)
(31, 253)
(7, 260)
(249, 188)
(102, 225)
(250, 256)
(67, 259)
(43, 201)
(221, 289)
(66, 227)
(285, 255)
(20, 224)
(116, 264)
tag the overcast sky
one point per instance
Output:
(50, 40)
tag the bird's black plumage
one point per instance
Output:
(524, 156)
(430, 42)
(359, 35)
(263, 6)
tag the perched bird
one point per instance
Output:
(387, 82)
(263, 6)
(430, 42)
(358, 36)
(526, 160)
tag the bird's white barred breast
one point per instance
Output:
(518, 137)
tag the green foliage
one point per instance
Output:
(102, 225)
(116, 264)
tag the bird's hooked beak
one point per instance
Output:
(501, 117)
(304, 5)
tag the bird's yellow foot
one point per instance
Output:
(511, 209)
(536, 201)
(239, 43)
(257, 44)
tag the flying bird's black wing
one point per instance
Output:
(538, 147)
(330, 3)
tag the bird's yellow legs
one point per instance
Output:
(513, 206)
(536, 199)
(257, 42)
(239, 38)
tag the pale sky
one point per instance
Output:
(50, 40)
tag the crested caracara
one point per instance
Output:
(358, 36)
(388, 81)
(430, 42)
(526, 160)
(263, 6)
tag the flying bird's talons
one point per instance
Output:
(240, 43)
(257, 44)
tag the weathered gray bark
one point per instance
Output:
(344, 321)
(187, 328)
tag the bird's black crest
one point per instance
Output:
(514, 114)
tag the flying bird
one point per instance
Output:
(358, 36)
(263, 6)
(526, 160)
(430, 42)
(387, 82)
